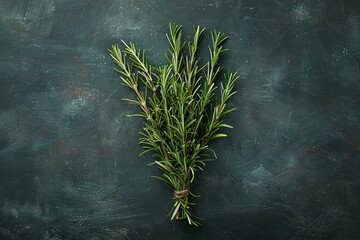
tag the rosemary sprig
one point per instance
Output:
(181, 110)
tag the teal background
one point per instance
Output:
(69, 164)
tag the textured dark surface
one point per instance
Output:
(69, 165)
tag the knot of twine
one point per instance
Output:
(182, 194)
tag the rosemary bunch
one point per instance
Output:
(181, 110)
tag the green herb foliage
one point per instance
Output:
(181, 107)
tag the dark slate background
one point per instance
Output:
(69, 164)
